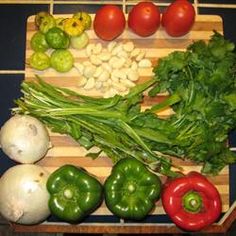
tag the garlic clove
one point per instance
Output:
(129, 46)
(89, 49)
(144, 63)
(140, 56)
(104, 76)
(90, 84)
(98, 72)
(97, 49)
(82, 81)
(104, 56)
(135, 52)
(89, 71)
(95, 60)
(111, 46)
(132, 75)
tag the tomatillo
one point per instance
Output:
(85, 18)
(57, 38)
(73, 26)
(38, 42)
(46, 23)
(39, 61)
(74, 193)
(131, 190)
(62, 60)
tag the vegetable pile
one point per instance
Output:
(113, 69)
(201, 87)
(109, 23)
(105, 123)
(201, 83)
(144, 19)
(58, 34)
(131, 191)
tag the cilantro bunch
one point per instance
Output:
(201, 82)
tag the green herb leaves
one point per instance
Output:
(102, 122)
(204, 77)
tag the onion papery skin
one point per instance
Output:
(23, 194)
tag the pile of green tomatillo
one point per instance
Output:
(51, 42)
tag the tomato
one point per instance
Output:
(109, 22)
(144, 19)
(178, 18)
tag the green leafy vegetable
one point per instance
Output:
(105, 123)
(204, 78)
(201, 82)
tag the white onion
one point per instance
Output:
(24, 139)
(23, 194)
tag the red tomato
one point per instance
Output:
(178, 18)
(144, 19)
(109, 22)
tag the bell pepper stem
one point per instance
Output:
(68, 193)
(192, 202)
(131, 188)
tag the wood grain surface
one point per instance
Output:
(66, 151)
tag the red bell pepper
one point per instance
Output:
(192, 201)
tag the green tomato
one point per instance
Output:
(38, 42)
(79, 42)
(60, 23)
(73, 26)
(85, 18)
(47, 23)
(62, 60)
(39, 16)
(39, 61)
(57, 38)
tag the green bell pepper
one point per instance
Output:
(131, 190)
(74, 193)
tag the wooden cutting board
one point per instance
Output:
(67, 151)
